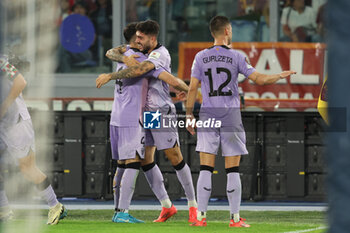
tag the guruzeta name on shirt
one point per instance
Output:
(218, 58)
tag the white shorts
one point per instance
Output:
(18, 140)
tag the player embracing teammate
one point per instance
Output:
(154, 60)
(217, 69)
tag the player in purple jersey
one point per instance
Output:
(217, 69)
(17, 142)
(127, 134)
(158, 98)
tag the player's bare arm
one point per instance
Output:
(191, 98)
(134, 71)
(117, 54)
(173, 81)
(265, 79)
(19, 83)
(130, 72)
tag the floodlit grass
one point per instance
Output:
(97, 221)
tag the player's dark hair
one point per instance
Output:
(129, 31)
(218, 23)
(148, 27)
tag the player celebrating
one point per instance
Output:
(158, 98)
(217, 69)
(17, 141)
(127, 136)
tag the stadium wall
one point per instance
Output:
(285, 161)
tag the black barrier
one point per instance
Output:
(285, 160)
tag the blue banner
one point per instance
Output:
(77, 33)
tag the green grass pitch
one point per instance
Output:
(96, 221)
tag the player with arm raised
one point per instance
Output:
(217, 69)
(17, 141)
(158, 98)
(129, 100)
(126, 133)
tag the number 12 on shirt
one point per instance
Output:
(219, 92)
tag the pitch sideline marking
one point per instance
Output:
(307, 230)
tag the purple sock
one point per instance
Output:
(116, 185)
(49, 196)
(155, 180)
(185, 178)
(233, 190)
(3, 199)
(127, 187)
(203, 190)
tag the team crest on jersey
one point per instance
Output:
(249, 66)
(154, 55)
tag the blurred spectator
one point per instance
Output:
(299, 23)
(247, 7)
(246, 26)
(177, 14)
(81, 8)
(91, 5)
(147, 9)
(131, 13)
(316, 4)
(64, 10)
(250, 9)
(320, 20)
(67, 59)
(264, 25)
(102, 20)
(266, 13)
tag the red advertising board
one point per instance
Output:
(307, 59)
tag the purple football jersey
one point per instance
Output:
(158, 96)
(130, 95)
(217, 69)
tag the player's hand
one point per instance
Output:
(190, 129)
(103, 79)
(285, 74)
(181, 96)
(131, 60)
